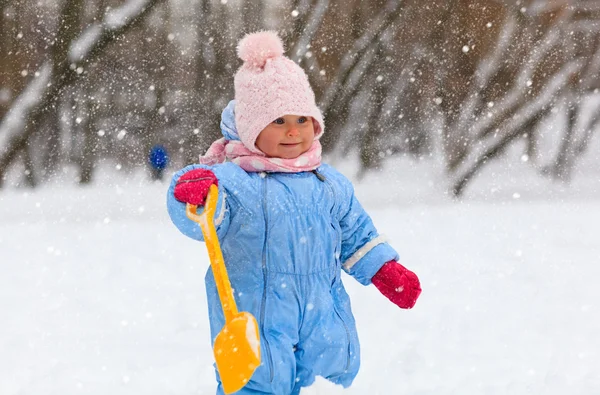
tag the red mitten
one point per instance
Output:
(193, 186)
(398, 284)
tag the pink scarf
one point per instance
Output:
(236, 152)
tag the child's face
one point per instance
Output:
(287, 137)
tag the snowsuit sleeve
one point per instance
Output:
(177, 213)
(364, 251)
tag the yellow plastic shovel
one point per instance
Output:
(237, 346)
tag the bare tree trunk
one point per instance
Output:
(206, 76)
(159, 69)
(8, 61)
(253, 15)
(87, 164)
(30, 176)
(370, 151)
(563, 163)
(594, 124)
(52, 145)
(4, 75)
(88, 159)
(532, 134)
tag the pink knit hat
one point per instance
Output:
(269, 86)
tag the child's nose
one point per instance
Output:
(292, 132)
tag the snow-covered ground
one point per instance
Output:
(100, 294)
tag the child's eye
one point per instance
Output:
(301, 119)
(279, 121)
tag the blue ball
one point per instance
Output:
(158, 158)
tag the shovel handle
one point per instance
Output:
(206, 222)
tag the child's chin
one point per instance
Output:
(289, 156)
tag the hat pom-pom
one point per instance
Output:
(255, 48)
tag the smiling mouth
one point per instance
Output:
(289, 144)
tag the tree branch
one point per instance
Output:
(40, 95)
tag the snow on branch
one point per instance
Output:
(119, 17)
(587, 26)
(14, 121)
(587, 6)
(490, 64)
(314, 22)
(539, 7)
(114, 19)
(85, 42)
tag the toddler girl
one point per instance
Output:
(288, 224)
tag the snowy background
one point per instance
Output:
(100, 294)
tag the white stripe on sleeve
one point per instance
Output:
(222, 212)
(363, 251)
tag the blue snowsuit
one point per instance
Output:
(285, 238)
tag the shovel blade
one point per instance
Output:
(237, 351)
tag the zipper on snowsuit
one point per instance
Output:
(321, 177)
(265, 278)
